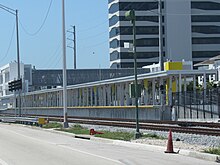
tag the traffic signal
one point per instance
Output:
(15, 85)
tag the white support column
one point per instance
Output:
(153, 92)
(74, 97)
(84, 96)
(60, 98)
(180, 83)
(99, 99)
(194, 83)
(109, 101)
(146, 97)
(128, 99)
(176, 80)
(80, 96)
(170, 90)
(204, 81)
(104, 95)
(91, 96)
(122, 101)
(95, 96)
(185, 84)
(116, 95)
(87, 96)
(161, 95)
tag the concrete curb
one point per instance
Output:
(200, 155)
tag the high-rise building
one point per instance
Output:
(191, 31)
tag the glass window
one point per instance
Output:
(139, 64)
(140, 55)
(145, 42)
(205, 5)
(210, 40)
(114, 8)
(7, 77)
(140, 30)
(114, 55)
(109, 1)
(114, 43)
(115, 65)
(206, 29)
(205, 18)
(1, 79)
(142, 18)
(205, 54)
(114, 32)
(113, 20)
(137, 6)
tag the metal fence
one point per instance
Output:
(199, 104)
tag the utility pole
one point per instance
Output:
(65, 122)
(18, 61)
(74, 44)
(160, 16)
(15, 13)
(130, 15)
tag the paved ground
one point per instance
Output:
(20, 145)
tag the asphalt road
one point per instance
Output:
(22, 145)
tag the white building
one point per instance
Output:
(212, 63)
(7, 74)
(191, 31)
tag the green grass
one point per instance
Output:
(213, 151)
(76, 129)
(53, 125)
(116, 135)
(126, 136)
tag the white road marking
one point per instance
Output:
(116, 161)
(2, 162)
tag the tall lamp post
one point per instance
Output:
(160, 35)
(15, 13)
(130, 15)
(65, 122)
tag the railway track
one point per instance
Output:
(158, 127)
(200, 128)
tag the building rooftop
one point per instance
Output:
(209, 61)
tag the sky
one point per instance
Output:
(41, 34)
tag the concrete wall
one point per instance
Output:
(121, 112)
(178, 30)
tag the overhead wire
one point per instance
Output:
(41, 26)
(92, 27)
(9, 46)
(95, 36)
(55, 53)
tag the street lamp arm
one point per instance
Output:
(7, 7)
(9, 10)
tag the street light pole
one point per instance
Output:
(18, 60)
(65, 122)
(15, 13)
(130, 15)
(160, 35)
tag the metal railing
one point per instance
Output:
(200, 104)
